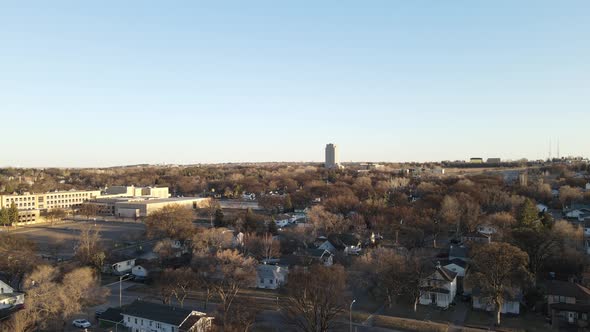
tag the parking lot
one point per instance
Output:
(59, 240)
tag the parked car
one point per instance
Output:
(82, 323)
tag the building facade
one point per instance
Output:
(51, 200)
(332, 156)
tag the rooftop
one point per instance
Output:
(568, 289)
(163, 200)
(157, 312)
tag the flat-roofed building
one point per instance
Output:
(132, 191)
(50, 200)
(143, 208)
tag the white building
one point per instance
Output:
(271, 276)
(121, 266)
(458, 266)
(511, 303)
(141, 316)
(440, 288)
(8, 297)
(139, 272)
(332, 156)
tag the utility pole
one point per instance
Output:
(351, 303)
(121, 288)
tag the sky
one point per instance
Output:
(106, 83)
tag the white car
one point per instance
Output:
(82, 323)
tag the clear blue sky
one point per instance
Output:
(119, 82)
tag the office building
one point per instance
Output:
(332, 156)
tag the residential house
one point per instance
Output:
(285, 220)
(487, 229)
(120, 266)
(456, 265)
(511, 303)
(271, 276)
(460, 252)
(321, 256)
(567, 302)
(141, 316)
(439, 288)
(9, 298)
(111, 317)
(476, 237)
(579, 212)
(349, 244)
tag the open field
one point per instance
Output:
(60, 239)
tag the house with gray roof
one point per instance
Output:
(439, 288)
(142, 316)
(271, 276)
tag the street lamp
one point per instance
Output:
(121, 289)
(351, 303)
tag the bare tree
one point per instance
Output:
(416, 270)
(177, 283)
(88, 210)
(233, 272)
(89, 250)
(315, 296)
(172, 221)
(262, 247)
(17, 256)
(498, 269)
(53, 297)
(54, 215)
(380, 272)
(211, 208)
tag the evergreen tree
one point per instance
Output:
(12, 214)
(4, 217)
(528, 214)
(288, 205)
(547, 220)
(272, 227)
(218, 221)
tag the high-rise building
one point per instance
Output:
(332, 157)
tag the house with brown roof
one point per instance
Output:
(568, 303)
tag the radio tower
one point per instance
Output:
(550, 149)
(558, 149)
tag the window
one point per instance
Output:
(151, 323)
(271, 281)
(128, 319)
(142, 322)
(262, 280)
(135, 320)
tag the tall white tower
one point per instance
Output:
(332, 157)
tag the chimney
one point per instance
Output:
(438, 264)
